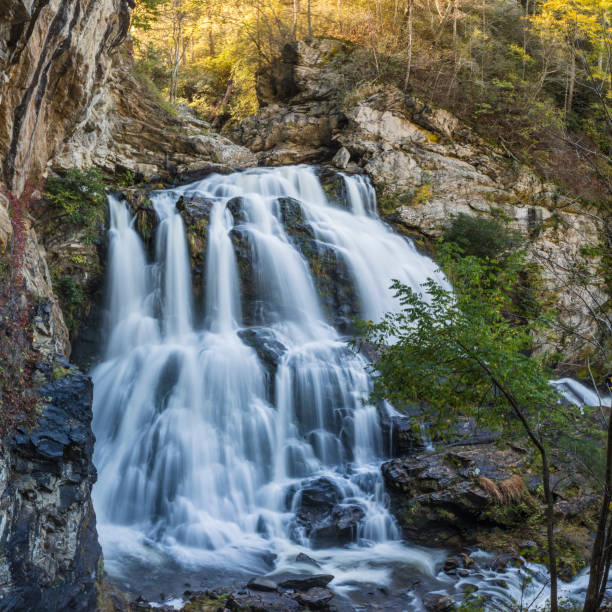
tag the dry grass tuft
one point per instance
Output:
(490, 488)
(513, 489)
(509, 491)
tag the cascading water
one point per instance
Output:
(238, 427)
(242, 431)
(203, 447)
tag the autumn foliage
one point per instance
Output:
(17, 398)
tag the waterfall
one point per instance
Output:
(227, 435)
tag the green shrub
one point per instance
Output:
(78, 197)
(482, 236)
(71, 298)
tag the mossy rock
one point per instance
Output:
(237, 208)
(252, 308)
(333, 279)
(195, 211)
(334, 187)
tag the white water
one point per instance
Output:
(196, 455)
(580, 395)
(201, 456)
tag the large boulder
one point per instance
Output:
(325, 517)
(444, 496)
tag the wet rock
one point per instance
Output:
(252, 307)
(261, 601)
(334, 186)
(399, 432)
(264, 342)
(338, 527)
(141, 208)
(324, 518)
(316, 598)
(501, 562)
(262, 584)
(435, 602)
(304, 582)
(194, 208)
(319, 495)
(334, 281)
(441, 496)
(46, 476)
(237, 208)
(451, 564)
(304, 558)
(293, 218)
(466, 560)
(195, 211)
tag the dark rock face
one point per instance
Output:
(196, 211)
(399, 434)
(50, 551)
(324, 517)
(246, 258)
(261, 601)
(439, 497)
(335, 188)
(304, 558)
(306, 582)
(435, 602)
(315, 598)
(269, 350)
(262, 584)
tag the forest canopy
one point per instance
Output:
(532, 75)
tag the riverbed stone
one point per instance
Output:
(304, 582)
(436, 602)
(260, 583)
(316, 598)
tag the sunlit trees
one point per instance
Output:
(582, 30)
(530, 72)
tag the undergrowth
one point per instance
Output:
(18, 399)
(78, 198)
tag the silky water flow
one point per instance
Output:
(224, 429)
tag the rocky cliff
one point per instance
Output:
(50, 553)
(427, 168)
(68, 99)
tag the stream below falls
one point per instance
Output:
(232, 430)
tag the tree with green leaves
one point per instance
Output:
(459, 352)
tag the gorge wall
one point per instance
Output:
(68, 98)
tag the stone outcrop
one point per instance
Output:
(489, 495)
(68, 98)
(53, 57)
(49, 548)
(427, 168)
(125, 128)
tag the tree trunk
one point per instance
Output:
(409, 66)
(602, 550)
(550, 533)
(296, 12)
(571, 81)
(309, 20)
